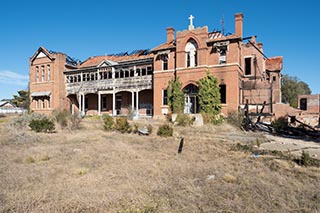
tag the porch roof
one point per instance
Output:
(40, 94)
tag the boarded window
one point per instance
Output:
(223, 93)
(247, 66)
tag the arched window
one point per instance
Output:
(191, 53)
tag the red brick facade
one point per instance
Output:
(118, 84)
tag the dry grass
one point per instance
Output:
(91, 170)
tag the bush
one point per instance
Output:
(184, 120)
(42, 125)
(122, 125)
(108, 122)
(23, 121)
(165, 130)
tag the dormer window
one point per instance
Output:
(191, 53)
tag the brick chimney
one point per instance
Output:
(170, 34)
(238, 24)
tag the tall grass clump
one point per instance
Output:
(165, 130)
(108, 122)
(122, 125)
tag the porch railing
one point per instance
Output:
(116, 84)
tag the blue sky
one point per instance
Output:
(87, 28)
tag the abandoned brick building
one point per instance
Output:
(116, 84)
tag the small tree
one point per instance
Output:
(209, 98)
(291, 87)
(21, 100)
(175, 95)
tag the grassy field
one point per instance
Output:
(90, 170)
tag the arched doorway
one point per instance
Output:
(191, 100)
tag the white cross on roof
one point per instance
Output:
(191, 27)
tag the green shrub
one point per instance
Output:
(165, 130)
(108, 122)
(23, 121)
(306, 160)
(42, 125)
(184, 120)
(122, 125)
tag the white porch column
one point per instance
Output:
(83, 104)
(137, 102)
(79, 101)
(132, 100)
(99, 103)
(114, 104)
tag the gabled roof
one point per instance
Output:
(97, 60)
(4, 103)
(274, 63)
(44, 51)
(107, 62)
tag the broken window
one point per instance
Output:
(131, 73)
(303, 104)
(144, 71)
(247, 62)
(223, 93)
(223, 55)
(164, 97)
(149, 70)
